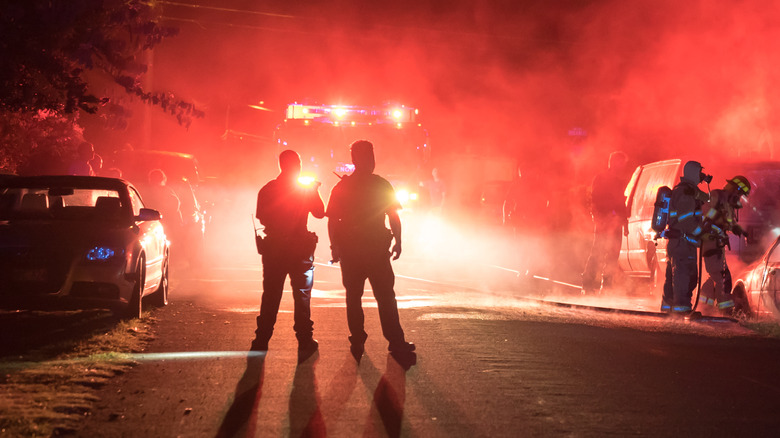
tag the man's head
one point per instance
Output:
(157, 177)
(618, 161)
(86, 151)
(363, 156)
(290, 163)
(96, 162)
(692, 173)
(739, 185)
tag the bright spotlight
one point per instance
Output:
(402, 196)
(306, 180)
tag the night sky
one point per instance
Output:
(510, 78)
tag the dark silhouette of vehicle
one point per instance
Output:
(181, 171)
(757, 289)
(642, 255)
(80, 240)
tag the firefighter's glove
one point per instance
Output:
(396, 251)
(738, 231)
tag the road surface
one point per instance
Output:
(489, 364)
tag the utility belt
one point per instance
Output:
(356, 240)
(671, 233)
(303, 243)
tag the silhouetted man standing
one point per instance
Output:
(359, 239)
(283, 207)
(610, 220)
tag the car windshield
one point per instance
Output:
(60, 203)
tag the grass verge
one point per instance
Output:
(46, 392)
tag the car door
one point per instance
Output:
(638, 246)
(765, 299)
(152, 239)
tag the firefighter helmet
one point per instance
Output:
(741, 183)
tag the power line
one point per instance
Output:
(216, 8)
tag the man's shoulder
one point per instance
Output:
(378, 181)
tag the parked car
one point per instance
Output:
(760, 216)
(641, 254)
(82, 240)
(757, 289)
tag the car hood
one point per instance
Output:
(59, 236)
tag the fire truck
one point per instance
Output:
(321, 134)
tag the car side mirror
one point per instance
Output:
(148, 214)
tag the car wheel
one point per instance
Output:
(135, 306)
(741, 304)
(160, 296)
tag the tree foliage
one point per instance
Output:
(38, 143)
(46, 49)
(47, 45)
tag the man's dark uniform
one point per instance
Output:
(608, 208)
(356, 211)
(283, 207)
(684, 233)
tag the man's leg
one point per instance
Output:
(354, 279)
(685, 276)
(710, 288)
(722, 282)
(613, 238)
(274, 275)
(591, 276)
(382, 281)
(667, 302)
(302, 280)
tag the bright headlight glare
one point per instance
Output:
(102, 253)
(306, 180)
(402, 196)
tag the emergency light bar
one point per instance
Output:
(351, 115)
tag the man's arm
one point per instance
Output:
(259, 210)
(395, 228)
(317, 207)
(335, 253)
(333, 224)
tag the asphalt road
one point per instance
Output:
(489, 363)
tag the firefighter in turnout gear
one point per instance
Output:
(684, 234)
(719, 218)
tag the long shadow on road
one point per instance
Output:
(241, 417)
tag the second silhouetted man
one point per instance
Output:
(356, 213)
